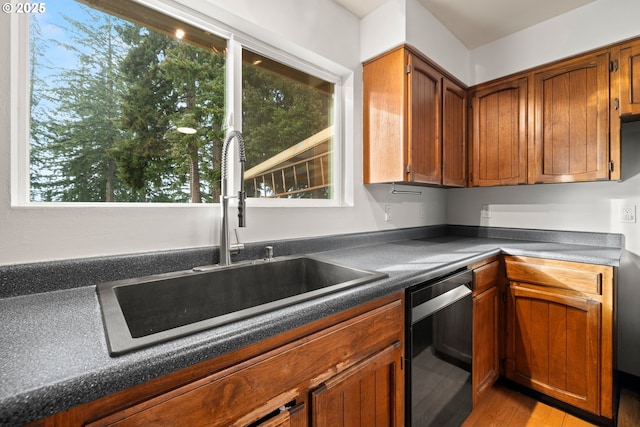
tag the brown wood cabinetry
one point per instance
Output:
(454, 136)
(559, 331)
(414, 117)
(557, 122)
(346, 366)
(629, 79)
(364, 395)
(498, 133)
(571, 121)
(486, 328)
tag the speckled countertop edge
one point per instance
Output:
(54, 354)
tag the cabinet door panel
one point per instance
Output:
(454, 124)
(571, 137)
(485, 341)
(365, 395)
(425, 89)
(554, 344)
(630, 79)
(384, 117)
(499, 134)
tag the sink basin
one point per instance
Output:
(144, 311)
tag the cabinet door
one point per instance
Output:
(553, 344)
(499, 134)
(486, 327)
(384, 118)
(368, 395)
(571, 114)
(425, 103)
(454, 124)
(629, 68)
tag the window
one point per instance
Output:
(130, 105)
(287, 118)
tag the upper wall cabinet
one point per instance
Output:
(571, 121)
(498, 133)
(414, 122)
(454, 125)
(629, 79)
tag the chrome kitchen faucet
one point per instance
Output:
(225, 247)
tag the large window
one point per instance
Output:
(130, 105)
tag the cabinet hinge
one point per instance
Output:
(613, 65)
(408, 68)
(616, 103)
(408, 168)
(611, 166)
(504, 297)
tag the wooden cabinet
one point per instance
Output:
(571, 121)
(559, 331)
(486, 328)
(364, 395)
(347, 366)
(414, 117)
(629, 79)
(555, 123)
(498, 133)
(454, 135)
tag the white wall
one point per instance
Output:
(594, 25)
(316, 30)
(407, 21)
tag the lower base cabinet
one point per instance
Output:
(343, 370)
(364, 395)
(560, 329)
(486, 327)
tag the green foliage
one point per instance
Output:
(105, 129)
(278, 113)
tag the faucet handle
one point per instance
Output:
(268, 253)
(236, 247)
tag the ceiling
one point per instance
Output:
(478, 22)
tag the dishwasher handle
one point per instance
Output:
(436, 304)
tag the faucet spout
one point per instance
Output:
(225, 249)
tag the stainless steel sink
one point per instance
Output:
(144, 311)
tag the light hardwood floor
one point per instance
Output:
(504, 407)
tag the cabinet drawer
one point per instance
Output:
(485, 277)
(584, 278)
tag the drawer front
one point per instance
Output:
(485, 277)
(583, 278)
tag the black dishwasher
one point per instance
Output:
(439, 316)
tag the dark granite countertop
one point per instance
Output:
(54, 353)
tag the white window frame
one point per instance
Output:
(342, 191)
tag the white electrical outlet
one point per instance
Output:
(485, 212)
(628, 213)
(387, 213)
